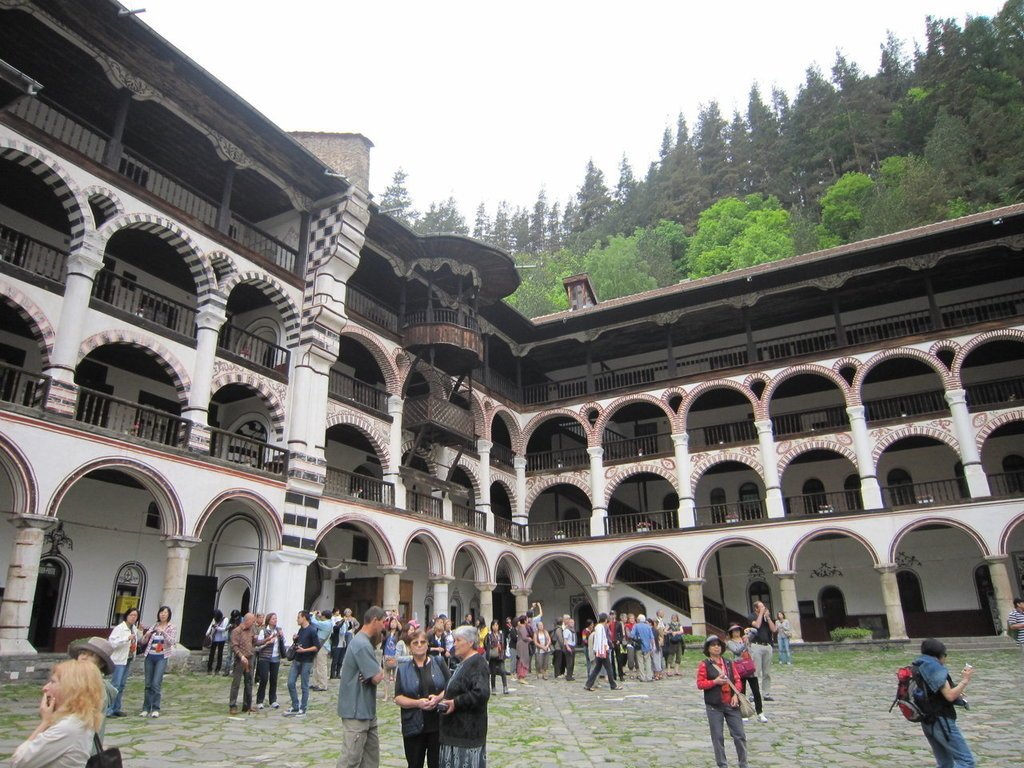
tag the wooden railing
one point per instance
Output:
(247, 452)
(349, 485)
(444, 413)
(733, 512)
(832, 419)
(983, 310)
(503, 455)
(720, 435)
(129, 296)
(32, 255)
(556, 531)
(999, 392)
(442, 315)
(556, 461)
(267, 246)
(468, 518)
(22, 387)
(1006, 484)
(71, 131)
(632, 448)
(670, 591)
(423, 504)
(925, 494)
(341, 385)
(370, 308)
(641, 522)
(253, 349)
(905, 406)
(507, 529)
(825, 503)
(131, 419)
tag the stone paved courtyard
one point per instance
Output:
(559, 724)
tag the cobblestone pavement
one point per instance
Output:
(831, 709)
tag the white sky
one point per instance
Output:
(492, 101)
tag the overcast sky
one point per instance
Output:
(492, 101)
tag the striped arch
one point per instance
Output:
(264, 512)
(104, 198)
(835, 531)
(53, 175)
(912, 430)
(1006, 334)
(275, 292)
(369, 526)
(43, 333)
(947, 522)
(694, 394)
(945, 345)
(172, 234)
(540, 418)
(627, 471)
(818, 444)
(223, 265)
(615, 405)
(387, 364)
(993, 424)
(474, 475)
(948, 381)
(429, 458)
(508, 486)
(172, 516)
(435, 552)
(440, 385)
(24, 487)
(516, 574)
(703, 462)
(549, 482)
(175, 371)
(1007, 532)
(799, 370)
(480, 570)
(637, 549)
(539, 563)
(515, 433)
(702, 564)
(259, 385)
(356, 420)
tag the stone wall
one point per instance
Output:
(346, 153)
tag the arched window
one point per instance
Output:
(129, 589)
(833, 607)
(851, 485)
(758, 590)
(815, 500)
(1013, 468)
(911, 596)
(961, 480)
(750, 502)
(901, 487)
(719, 508)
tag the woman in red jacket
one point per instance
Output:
(721, 702)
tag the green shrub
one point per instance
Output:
(850, 633)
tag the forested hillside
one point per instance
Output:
(934, 133)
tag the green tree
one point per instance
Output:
(842, 208)
(396, 201)
(735, 233)
(617, 269)
(482, 224)
(501, 232)
(663, 249)
(442, 218)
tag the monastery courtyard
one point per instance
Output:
(830, 709)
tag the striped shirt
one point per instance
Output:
(1016, 617)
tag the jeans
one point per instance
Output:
(785, 657)
(600, 663)
(119, 679)
(267, 670)
(299, 668)
(730, 716)
(948, 744)
(156, 663)
(337, 658)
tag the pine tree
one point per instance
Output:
(592, 200)
(482, 224)
(501, 234)
(627, 182)
(539, 224)
(396, 201)
(442, 218)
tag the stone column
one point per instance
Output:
(603, 592)
(598, 507)
(209, 320)
(891, 598)
(695, 588)
(440, 584)
(998, 568)
(395, 406)
(520, 514)
(522, 601)
(687, 505)
(486, 590)
(772, 484)
(870, 492)
(176, 573)
(22, 575)
(974, 472)
(286, 585)
(83, 265)
(790, 604)
(392, 586)
(483, 449)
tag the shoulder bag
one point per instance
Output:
(746, 708)
(104, 758)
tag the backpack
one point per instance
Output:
(912, 695)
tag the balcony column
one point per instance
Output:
(209, 320)
(891, 598)
(22, 575)
(772, 484)
(604, 602)
(695, 588)
(998, 569)
(790, 604)
(307, 408)
(391, 474)
(687, 505)
(392, 586)
(224, 210)
(115, 144)
(870, 492)
(486, 591)
(440, 592)
(446, 508)
(483, 504)
(176, 573)
(520, 514)
(522, 601)
(599, 509)
(974, 472)
(286, 584)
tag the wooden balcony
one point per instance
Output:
(370, 308)
(134, 300)
(559, 530)
(467, 517)
(830, 503)
(128, 419)
(448, 423)
(452, 337)
(423, 504)
(246, 452)
(341, 386)
(558, 461)
(507, 529)
(253, 352)
(641, 522)
(929, 494)
(733, 512)
(348, 485)
(32, 256)
(21, 387)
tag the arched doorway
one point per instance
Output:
(833, 607)
(987, 596)
(49, 598)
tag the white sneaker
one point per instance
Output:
(275, 705)
(143, 713)
(259, 706)
(762, 718)
(155, 713)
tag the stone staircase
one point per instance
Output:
(984, 643)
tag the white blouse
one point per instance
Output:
(65, 744)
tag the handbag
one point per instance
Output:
(746, 708)
(745, 666)
(104, 758)
(290, 653)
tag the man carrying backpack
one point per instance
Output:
(947, 743)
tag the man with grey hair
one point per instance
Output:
(643, 634)
(243, 647)
(357, 694)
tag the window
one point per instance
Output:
(911, 596)
(129, 587)
(719, 509)
(758, 591)
(1013, 467)
(815, 500)
(851, 486)
(901, 487)
(750, 502)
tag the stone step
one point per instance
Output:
(983, 643)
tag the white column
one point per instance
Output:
(974, 472)
(603, 592)
(520, 514)
(790, 604)
(441, 605)
(209, 320)
(870, 492)
(392, 586)
(486, 591)
(695, 588)
(20, 586)
(176, 573)
(286, 585)
(891, 598)
(83, 265)
(599, 509)
(483, 449)
(997, 568)
(772, 484)
(395, 406)
(522, 601)
(687, 505)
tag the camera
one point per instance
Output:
(442, 707)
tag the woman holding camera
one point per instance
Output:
(464, 706)
(419, 687)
